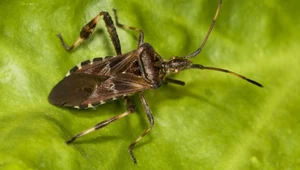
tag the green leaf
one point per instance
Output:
(216, 121)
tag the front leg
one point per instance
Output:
(88, 29)
(174, 81)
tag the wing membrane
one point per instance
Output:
(82, 89)
(114, 87)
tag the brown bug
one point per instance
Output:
(95, 82)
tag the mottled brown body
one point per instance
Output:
(95, 82)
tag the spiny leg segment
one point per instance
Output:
(141, 35)
(151, 121)
(89, 28)
(129, 109)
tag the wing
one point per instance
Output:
(107, 66)
(88, 90)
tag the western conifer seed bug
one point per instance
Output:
(95, 82)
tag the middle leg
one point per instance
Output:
(141, 35)
(151, 121)
(129, 109)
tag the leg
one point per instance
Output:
(174, 81)
(88, 29)
(151, 121)
(141, 35)
(129, 109)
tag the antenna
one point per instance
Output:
(199, 66)
(195, 53)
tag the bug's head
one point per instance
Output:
(176, 64)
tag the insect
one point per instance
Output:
(95, 82)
